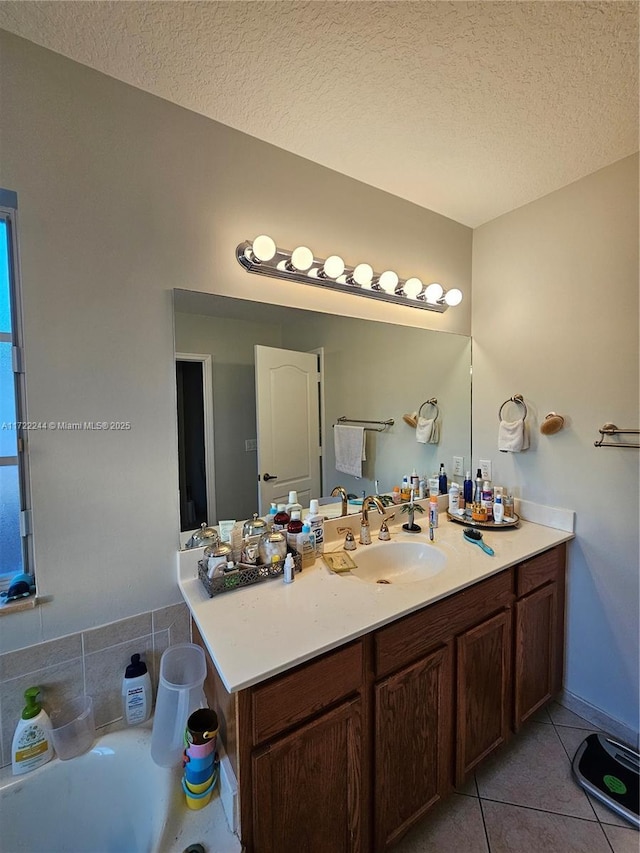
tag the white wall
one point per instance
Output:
(555, 318)
(123, 197)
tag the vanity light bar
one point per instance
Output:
(263, 257)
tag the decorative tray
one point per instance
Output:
(485, 525)
(243, 575)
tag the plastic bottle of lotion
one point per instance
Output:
(293, 505)
(31, 746)
(289, 569)
(136, 692)
(454, 498)
(306, 547)
(498, 510)
(316, 524)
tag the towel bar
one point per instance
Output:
(612, 429)
(382, 424)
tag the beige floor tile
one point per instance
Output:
(469, 788)
(541, 716)
(512, 829)
(562, 716)
(455, 825)
(623, 840)
(533, 770)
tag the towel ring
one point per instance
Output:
(432, 402)
(517, 398)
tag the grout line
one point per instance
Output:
(484, 822)
(537, 809)
(570, 758)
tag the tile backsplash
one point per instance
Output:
(91, 662)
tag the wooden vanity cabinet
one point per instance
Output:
(303, 758)
(539, 632)
(346, 752)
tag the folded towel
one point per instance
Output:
(350, 450)
(428, 431)
(513, 436)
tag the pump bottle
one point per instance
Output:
(136, 692)
(31, 746)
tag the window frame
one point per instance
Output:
(9, 214)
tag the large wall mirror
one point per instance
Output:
(261, 388)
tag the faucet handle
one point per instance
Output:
(383, 533)
(349, 540)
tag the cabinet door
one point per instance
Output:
(536, 651)
(482, 691)
(307, 787)
(412, 744)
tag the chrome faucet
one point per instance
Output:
(365, 533)
(340, 490)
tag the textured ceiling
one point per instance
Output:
(470, 109)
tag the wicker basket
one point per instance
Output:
(243, 575)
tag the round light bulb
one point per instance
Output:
(302, 258)
(263, 248)
(412, 287)
(363, 274)
(433, 292)
(333, 266)
(453, 297)
(388, 281)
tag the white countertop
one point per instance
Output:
(264, 629)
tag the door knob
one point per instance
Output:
(268, 477)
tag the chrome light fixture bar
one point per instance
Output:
(263, 257)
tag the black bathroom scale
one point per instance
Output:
(609, 770)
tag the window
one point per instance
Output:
(15, 538)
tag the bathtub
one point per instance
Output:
(112, 799)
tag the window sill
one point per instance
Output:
(17, 606)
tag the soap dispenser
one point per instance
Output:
(31, 746)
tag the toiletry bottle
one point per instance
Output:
(293, 528)
(405, 489)
(281, 518)
(477, 492)
(487, 499)
(31, 746)
(396, 496)
(422, 487)
(467, 489)
(433, 511)
(289, 569)
(316, 523)
(273, 509)
(415, 482)
(442, 480)
(136, 692)
(293, 505)
(454, 498)
(498, 510)
(306, 547)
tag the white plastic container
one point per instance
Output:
(136, 692)
(182, 672)
(293, 505)
(498, 510)
(454, 498)
(289, 569)
(32, 745)
(316, 523)
(73, 729)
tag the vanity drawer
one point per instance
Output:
(414, 636)
(289, 699)
(539, 570)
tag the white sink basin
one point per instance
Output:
(398, 561)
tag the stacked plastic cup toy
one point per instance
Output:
(200, 758)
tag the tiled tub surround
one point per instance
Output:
(91, 662)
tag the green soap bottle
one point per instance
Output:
(31, 746)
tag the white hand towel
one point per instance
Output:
(350, 449)
(513, 436)
(428, 431)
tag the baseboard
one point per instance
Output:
(228, 792)
(599, 718)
